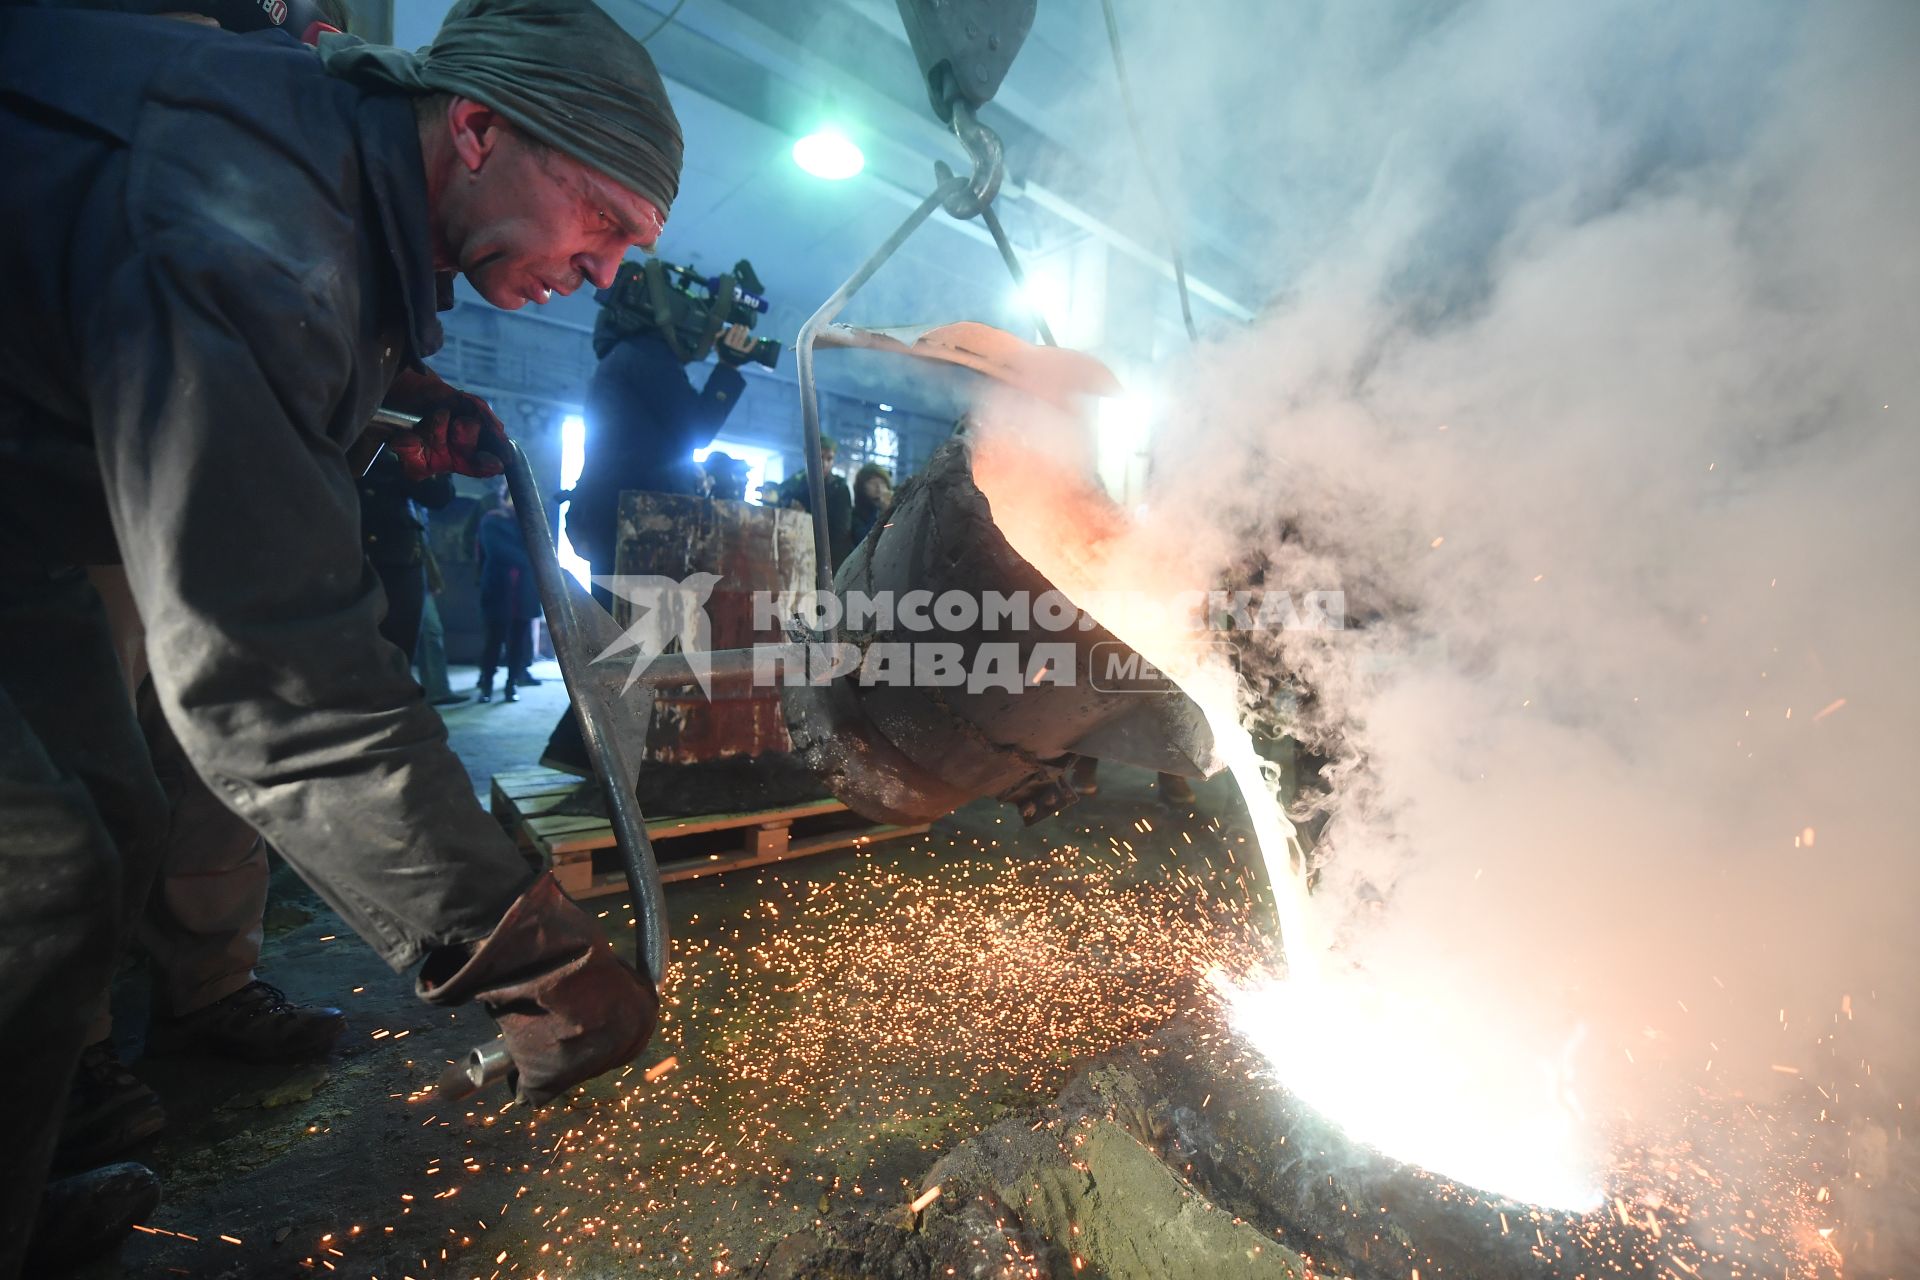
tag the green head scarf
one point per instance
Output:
(561, 70)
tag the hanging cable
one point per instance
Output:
(1153, 183)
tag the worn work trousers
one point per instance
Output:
(430, 655)
(80, 807)
(201, 924)
(516, 638)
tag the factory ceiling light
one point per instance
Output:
(828, 153)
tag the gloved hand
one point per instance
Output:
(735, 346)
(461, 436)
(568, 1008)
(458, 432)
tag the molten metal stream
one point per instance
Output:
(1083, 547)
(1415, 1075)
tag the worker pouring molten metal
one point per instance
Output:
(224, 253)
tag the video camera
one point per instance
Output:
(684, 307)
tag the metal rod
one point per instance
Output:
(629, 827)
(483, 1065)
(1007, 255)
(810, 400)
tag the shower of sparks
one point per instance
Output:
(828, 1041)
(824, 1044)
(846, 1029)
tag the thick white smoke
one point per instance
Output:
(1593, 378)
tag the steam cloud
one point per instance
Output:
(1592, 379)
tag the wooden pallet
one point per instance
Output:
(581, 851)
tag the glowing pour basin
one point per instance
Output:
(1502, 1125)
(1404, 1076)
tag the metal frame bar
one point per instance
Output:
(629, 825)
(809, 397)
(491, 1062)
(651, 940)
(1007, 255)
(963, 198)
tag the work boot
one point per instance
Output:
(510, 695)
(447, 699)
(525, 679)
(108, 1110)
(484, 690)
(86, 1215)
(1176, 791)
(257, 1023)
(1086, 776)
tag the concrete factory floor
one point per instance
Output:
(835, 1024)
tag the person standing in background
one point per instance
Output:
(872, 496)
(644, 421)
(430, 652)
(794, 496)
(509, 598)
(394, 533)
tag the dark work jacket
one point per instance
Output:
(644, 420)
(216, 258)
(508, 592)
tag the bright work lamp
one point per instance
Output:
(828, 153)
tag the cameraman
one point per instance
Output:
(644, 421)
